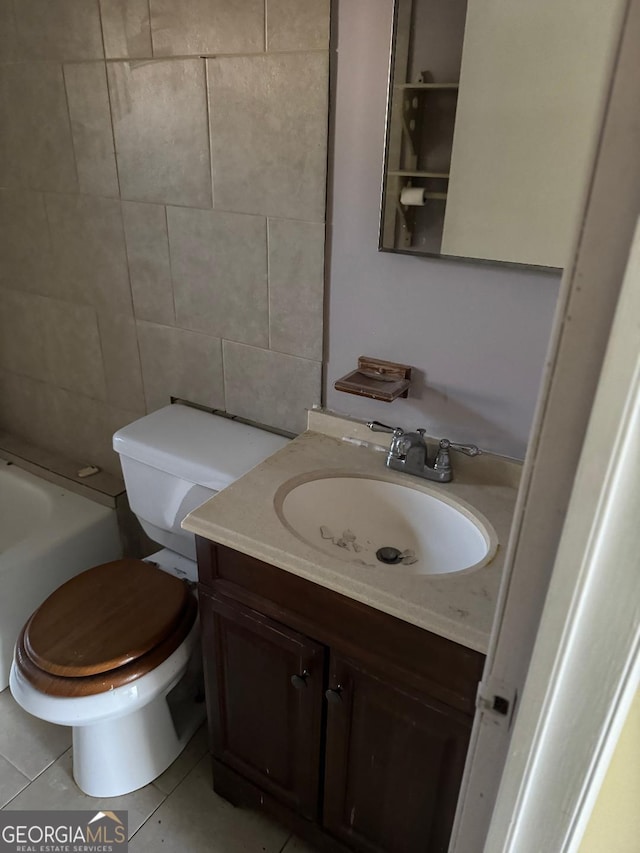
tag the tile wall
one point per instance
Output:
(162, 205)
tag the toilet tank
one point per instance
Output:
(176, 458)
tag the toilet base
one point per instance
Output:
(120, 755)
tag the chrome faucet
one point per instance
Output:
(409, 453)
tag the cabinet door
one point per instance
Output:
(263, 726)
(394, 764)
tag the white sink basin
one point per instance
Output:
(352, 518)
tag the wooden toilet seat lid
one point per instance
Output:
(105, 618)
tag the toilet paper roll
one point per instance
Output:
(413, 196)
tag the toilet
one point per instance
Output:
(115, 651)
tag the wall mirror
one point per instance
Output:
(491, 118)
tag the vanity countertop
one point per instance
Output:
(459, 606)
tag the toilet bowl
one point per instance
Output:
(115, 652)
(113, 679)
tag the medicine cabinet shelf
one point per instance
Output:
(426, 85)
(423, 97)
(409, 173)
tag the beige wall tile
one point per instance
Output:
(145, 228)
(77, 427)
(207, 26)
(8, 33)
(87, 238)
(121, 361)
(72, 344)
(114, 419)
(126, 28)
(59, 29)
(82, 428)
(160, 126)
(9, 174)
(36, 154)
(61, 420)
(22, 334)
(76, 365)
(298, 24)
(219, 268)
(25, 250)
(25, 408)
(178, 363)
(296, 287)
(268, 118)
(91, 127)
(269, 387)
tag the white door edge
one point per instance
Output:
(585, 666)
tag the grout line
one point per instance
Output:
(104, 49)
(38, 775)
(150, 30)
(21, 791)
(148, 818)
(284, 846)
(22, 773)
(107, 395)
(126, 257)
(268, 283)
(142, 378)
(224, 375)
(111, 126)
(225, 339)
(171, 280)
(266, 41)
(75, 194)
(113, 131)
(207, 96)
(99, 8)
(182, 56)
(73, 392)
(71, 134)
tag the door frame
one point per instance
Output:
(586, 305)
(585, 667)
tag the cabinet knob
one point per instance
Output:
(300, 681)
(333, 695)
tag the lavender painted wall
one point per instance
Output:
(476, 334)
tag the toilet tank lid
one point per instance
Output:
(199, 447)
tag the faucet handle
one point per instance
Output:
(376, 426)
(467, 449)
(443, 462)
(397, 447)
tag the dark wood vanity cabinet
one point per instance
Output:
(262, 726)
(393, 765)
(347, 724)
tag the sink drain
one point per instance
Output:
(389, 555)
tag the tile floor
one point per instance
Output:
(178, 812)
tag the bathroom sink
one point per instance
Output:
(375, 522)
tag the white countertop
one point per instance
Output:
(459, 606)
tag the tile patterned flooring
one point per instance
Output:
(178, 812)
